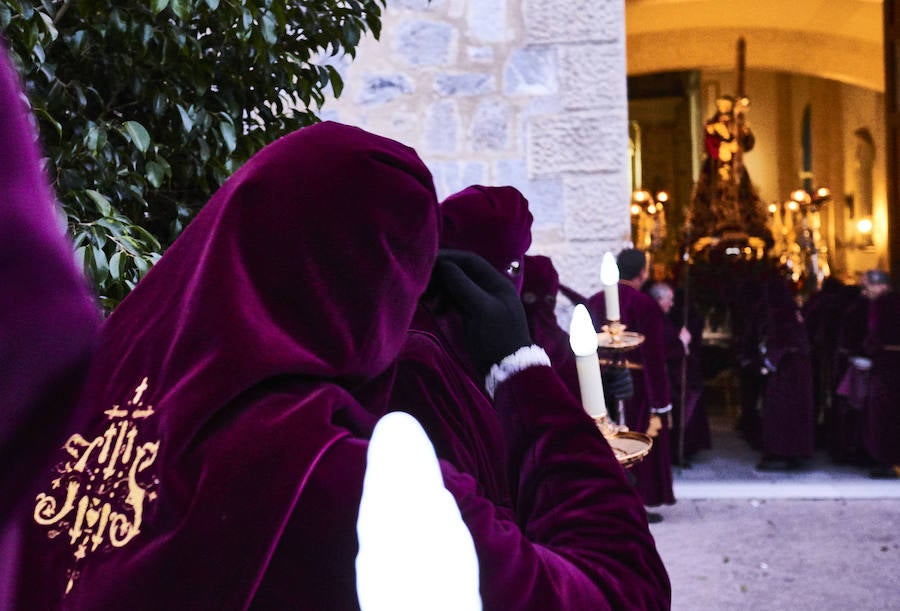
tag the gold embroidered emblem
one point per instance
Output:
(99, 497)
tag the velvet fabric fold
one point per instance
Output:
(539, 289)
(228, 373)
(48, 318)
(433, 386)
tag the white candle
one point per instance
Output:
(583, 340)
(415, 550)
(609, 276)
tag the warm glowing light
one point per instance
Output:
(641, 196)
(609, 271)
(651, 209)
(635, 209)
(799, 196)
(823, 192)
(662, 196)
(582, 335)
(793, 205)
(773, 208)
(864, 226)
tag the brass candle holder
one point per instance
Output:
(615, 341)
(614, 337)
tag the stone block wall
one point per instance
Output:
(529, 93)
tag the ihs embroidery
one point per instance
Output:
(98, 500)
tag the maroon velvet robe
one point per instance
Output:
(822, 313)
(539, 289)
(218, 455)
(48, 318)
(787, 417)
(687, 365)
(432, 385)
(882, 345)
(846, 420)
(651, 388)
(226, 376)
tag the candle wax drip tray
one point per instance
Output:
(628, 340)
(630, 447)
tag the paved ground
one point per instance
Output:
(838, 554)
(826, 538)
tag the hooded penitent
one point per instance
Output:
(227, 374)
(787, 414)
(493, 222)
(48, 319)
(539, 289)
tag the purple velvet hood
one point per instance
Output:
(223, 376)
(493, 222)
(539, 289)
(49, 318)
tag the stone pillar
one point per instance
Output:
(529, 93)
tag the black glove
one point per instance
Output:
(617, 383)
(493, 316)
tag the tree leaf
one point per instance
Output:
(138, 134)
(100, 269)
(48, 23)
(198, 90)
(268, 29)
(337, 83)
(158, 6)
(79, 257)
(91, 139)
(103, 204)
(186, 120)
(115, 228)
(183, 9)
(227, 130)
(146, 236)
(114, 261)
(156, 173)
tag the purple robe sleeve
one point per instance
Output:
(579, 538)
(458, 417)
(585, 525)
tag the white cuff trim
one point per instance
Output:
(661, 410)
(523, 358)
